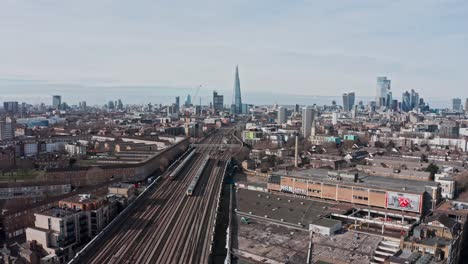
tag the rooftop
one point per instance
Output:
(277, 207)
(365, 180)
(82, 199)
(58, 212)
(453, 208)
(270, 243)
(121, 185)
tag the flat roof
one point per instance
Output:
(261, 241)
(121, 185)
(326, 222)
(58, 212)
(291, 210)
(81, 200)
(377, 182)
(449, 207)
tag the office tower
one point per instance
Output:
(237, 100)
(466, 105)
(245, 108)
(348, 101)
(456, 104)
(335, 118)
(188, 100)
(406, 102)
(111, 105)
(11, 107)
(394, 105)
(281, 115)
(7, 129)
(218, 102)
(313, 130)
(354, 112)
(56, 101)
(361, 105)
(307, 118)
(177, 102)
(119, 105)
(296, 108)
(389, 99)
(414, 99)
(383, 88)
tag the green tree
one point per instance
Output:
(433, 169)
(424, 158)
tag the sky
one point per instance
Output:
(292, 47)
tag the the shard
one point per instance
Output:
(237, 101)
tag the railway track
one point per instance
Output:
(170, 226)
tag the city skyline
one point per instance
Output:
(239, 131)
(158, 40)
(25, 91)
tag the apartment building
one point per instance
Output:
(58, 231)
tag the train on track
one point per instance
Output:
(195, 180)
(179, 168)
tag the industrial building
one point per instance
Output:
(379, 192)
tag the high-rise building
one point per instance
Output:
(307, 118)
(406, 102)
(414, 99)
(281, 115)
(110, 105)
(237, 99)
(383, 88)
(466, 105)
(188, 100)
(296, 108)
(456, 104)
(389, 99)
(177, 102)
(218, 102)
(335, 116)
(7, 129)
(11, 107)
(354, 112)
(56, 101)
(394, 105)
(348, 101)
(119, 105)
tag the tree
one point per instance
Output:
(71, 162)
(243, 154)
(379, 144)
(348, 144)
(424, 158)
(390, 145)
(433, 169)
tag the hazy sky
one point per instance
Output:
(285, 46)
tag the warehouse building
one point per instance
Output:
(379, 192)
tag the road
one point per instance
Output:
(169, 226)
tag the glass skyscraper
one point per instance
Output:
(348, 101)
(237, 100)
(383, 90)
(406, 102)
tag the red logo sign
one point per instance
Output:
(404, 202)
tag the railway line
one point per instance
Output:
(170, 226)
